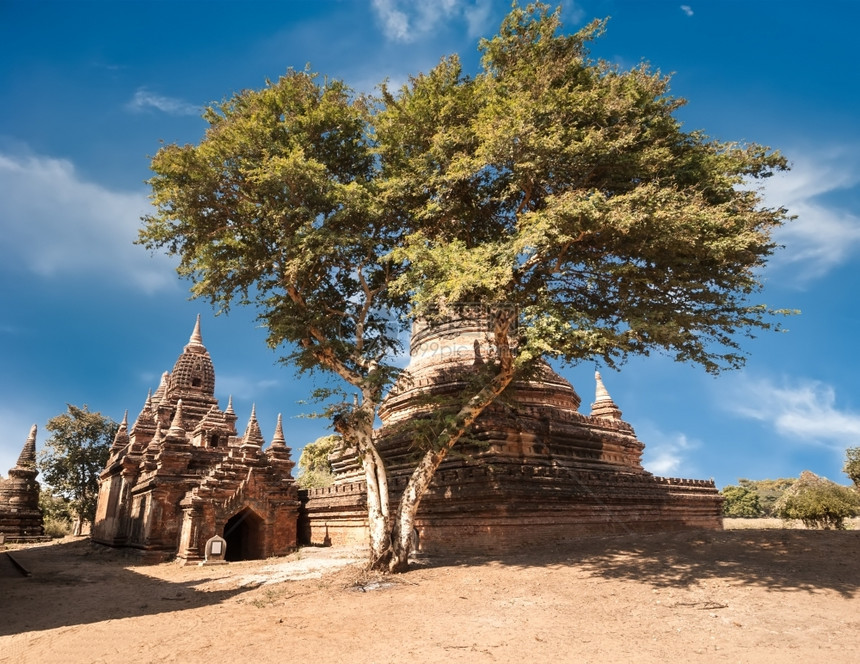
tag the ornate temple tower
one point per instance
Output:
(20, 516)
(182, 475)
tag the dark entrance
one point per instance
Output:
(244, 535)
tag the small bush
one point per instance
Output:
(741, 502)
(315, 479)
(57, 528)
(818, 502)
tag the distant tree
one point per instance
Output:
(315, 469)
(852, 465)
(740, 502)
(818, 502)
(73, 457)
(768, 492)
(558, 192)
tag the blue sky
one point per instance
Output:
(90, 89)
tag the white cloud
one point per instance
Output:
(687, 10)
(144, 100)
(406, 21)
(667, 454)
(824, 235)
(56, 224)
(802, 409)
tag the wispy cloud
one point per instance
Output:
(825, 234)
(667, 454)
(802, 409)
(687, 10)
(406, 21)
(144, 100)
(242, 387)
(57, 224)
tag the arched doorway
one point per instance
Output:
(244, 535)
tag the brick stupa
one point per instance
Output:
(20, 516)
(535, 472)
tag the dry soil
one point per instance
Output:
(731, 596)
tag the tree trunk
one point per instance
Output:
(378, 517)
(403, 526)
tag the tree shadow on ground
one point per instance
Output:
(75, 583)
(784, 560)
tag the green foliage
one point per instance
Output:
(74, 455)
(559, 184)
(768, 492)
(315, 469)
(315, 479)
(818, 502)
(315, 455)
(740, 502)
(549, 184)
(852, 465)
(56, 513)
(567, 188)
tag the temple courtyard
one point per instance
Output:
(739, 595)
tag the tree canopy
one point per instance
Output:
(74, 455)
(314, 466)
(818, 502)
(740, 502)
(558, 191)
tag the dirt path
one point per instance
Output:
(738, 596)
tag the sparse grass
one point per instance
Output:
(777, 524)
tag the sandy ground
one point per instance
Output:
(734, 596)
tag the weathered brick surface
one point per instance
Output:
(20, 516)
(537, 472)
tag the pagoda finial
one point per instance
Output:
(121, 439)
(157, 438)
(278, 439)
(253, 435)
(600, 393)
(603, 405)
(27, 459)
(176, 427)
(196, 338)
(160, 393)
(230, 410)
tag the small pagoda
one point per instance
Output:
(20, 516)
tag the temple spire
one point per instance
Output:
(196, 338)
(253, 436)
(278, 439)
(603, 405)
(176, 426)
(121, 439)
(27, 459)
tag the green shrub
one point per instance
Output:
(741, 502)
(768, 492)
(314, 479)
(57, 528)
(818, 502)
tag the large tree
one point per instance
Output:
(558, 192)
(73, 457)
